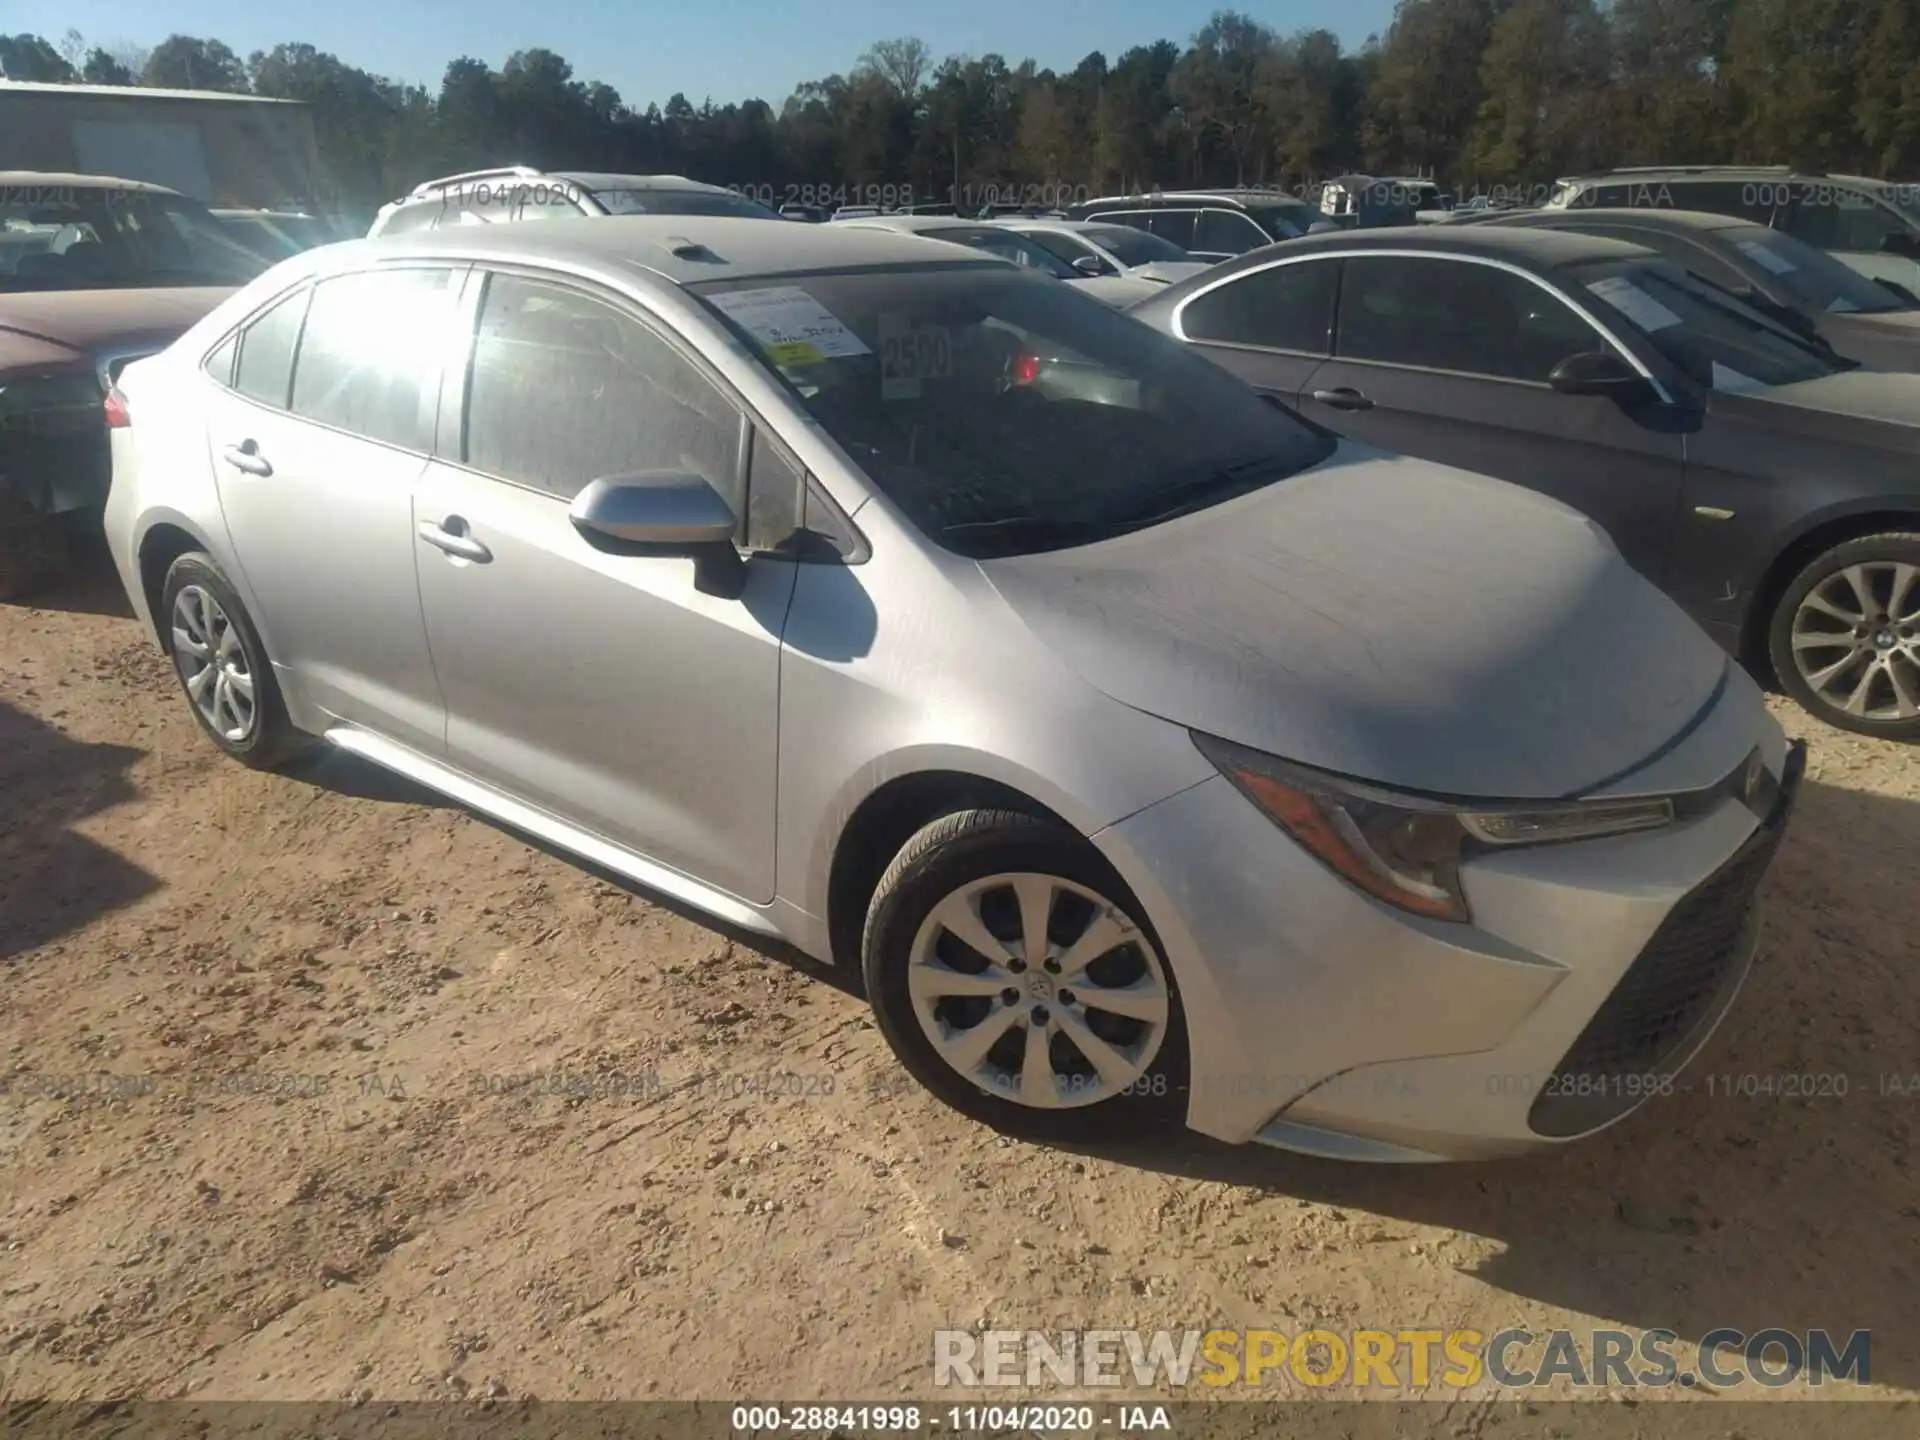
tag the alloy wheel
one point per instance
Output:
(1856, 640)
(1039, 990)
(212, 661)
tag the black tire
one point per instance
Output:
(1868, 550)
(970, 846)
(271, 742)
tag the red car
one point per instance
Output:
(94, 272)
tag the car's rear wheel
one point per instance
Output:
(1012, 974)
(1845, 639)
(223, 668)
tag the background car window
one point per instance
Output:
(420, 216)
(565, 390)
(1842, 220)
(1008, 245)
(1173, 226)
(370, 353)
(1748, 201)
(1453, 315)
(1812, 277)
(548, 200)
(1227, 232)
(1066, 247)
(1284, 307)
(1134, 246)
(265, 370)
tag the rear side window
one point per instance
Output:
(1176, 226)
(1285, 307)
(370, 354)
(565, 390)
(265, 370)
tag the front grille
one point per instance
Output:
(1641, 1031)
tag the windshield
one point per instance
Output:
(682, 202)
(1814, 279)
(1023, 251)
(1713, 339)
(70, 238)
(1005, 415)
(1134, 247)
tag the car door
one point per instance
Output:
(317, 446)
(1447, 359)
(1273, 327)
(607, 689)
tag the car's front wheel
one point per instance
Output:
(223, 667)
(1012, 974)
(1845, 638)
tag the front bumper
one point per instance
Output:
(1323, 1021)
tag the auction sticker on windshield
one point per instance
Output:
(1763, 256)
(909, 353)
(1634, 303)
(790, 325)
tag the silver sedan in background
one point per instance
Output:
(1164, 760)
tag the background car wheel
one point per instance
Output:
(1845, 640)
(1011, 972)
(223, 667)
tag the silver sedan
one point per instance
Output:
(1154, 757)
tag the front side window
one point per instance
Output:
(1284, 307)
(1456, 315)
(265, 369)
(565, 389)
(1227, 232)
(1714, 340)
(1002, 416)
(370, 353)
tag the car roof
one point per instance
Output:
(733, 247)
(609, 180)
(1647, 217)
(1650, 173)
(1537, 249)
(911, 224)
(51, 179)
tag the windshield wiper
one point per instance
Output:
(1177, 499)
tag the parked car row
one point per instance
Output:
(1157, 752)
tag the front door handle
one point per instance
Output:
(1344, 397)
(246, 456)
(452, 537)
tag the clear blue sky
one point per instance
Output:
(647, 49)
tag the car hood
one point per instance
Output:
(1168, 272)
(1872, 407)
(1388, 619)
(51, 328)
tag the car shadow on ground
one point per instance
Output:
(53, 881)
(1733, 1203)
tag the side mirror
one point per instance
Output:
(664, 512)
(1598, 372)
(1090, 265)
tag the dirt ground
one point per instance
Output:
(261, 1138)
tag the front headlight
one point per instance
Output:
(1407, 849)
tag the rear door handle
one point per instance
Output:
(246, 456)
(1344, 397)
(455, 542)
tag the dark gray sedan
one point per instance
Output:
(1769, 487)
(1876, 322)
